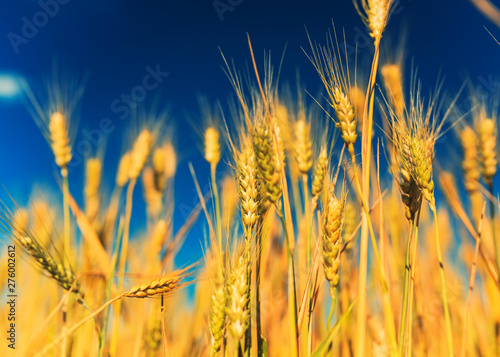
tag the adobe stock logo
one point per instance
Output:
(31, 26)
(222, 6)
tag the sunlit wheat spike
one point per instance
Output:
(344, 111)
(248, 186)
(218, 301)
(422, 156)
(140, 153)
(335, 77)
(470, 163)
(414, 136)
(236, 310)
(212, 146)
(267, 162)
(162, 286)
(333, 216)
(351, 219)
(375, 14)
(319, 173)
(487, 134)
(59, 139)
(16, 227)
(303, 146)
(55, 113)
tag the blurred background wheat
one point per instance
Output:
(217, 180)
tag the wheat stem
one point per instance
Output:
(449, 337)
(471, 283)
(217, 206)
(492, 216)
(67, 227)
(102, 339)
(292, 300)
(122, 262)
(308, 260)
(404, 307)
(366, 157)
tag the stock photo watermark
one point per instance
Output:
(30, 26)
(223, 6)
(120, 106)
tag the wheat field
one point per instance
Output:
(334, 223)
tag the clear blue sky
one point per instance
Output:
(115, 40)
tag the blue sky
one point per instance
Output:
(119, 42)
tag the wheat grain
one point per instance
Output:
(212, 146)
(319, 174)
(375, 15)
(92, 186)
(303, 146)
(332, 236)
(470, 163)
(162, 286)
(236, 310)
(267, 162)
(487, 134)
(59, 139)
(140, 153)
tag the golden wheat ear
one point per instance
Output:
(17, 229)
(165, 285)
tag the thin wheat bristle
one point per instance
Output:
(267, 162)
(303, 146)
(162, 286)
(470, 163)
(393, 82)
(140, 153)
(93, 171)
(212, 146)
(236, 310)
(59, 138)
(487, 133)
(19, 223)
